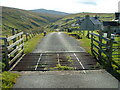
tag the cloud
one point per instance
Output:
(70, 6)
(89, 3)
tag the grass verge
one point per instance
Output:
(32, 43)
(8, 79)
(85, 42)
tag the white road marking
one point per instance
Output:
(58, 59)
(38, 61)
(80, 63)
(59, 32)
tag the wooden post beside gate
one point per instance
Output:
(109, 48)
(92, 43)
(6, 54)
(100, 46)
(102, 51)
(13, 50)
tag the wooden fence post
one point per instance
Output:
(7, 42)
(29, 36)
(109, 48)
(13, 33)
(100, 46)
(32, 34)
(88, 34)
(11, 54)
(14, 40)
(18, 32)
(26, 34)
(6, 55)
(92, 42)
(23, 43)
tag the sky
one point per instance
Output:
(69, 6)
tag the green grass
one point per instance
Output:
(98, 66)
(8, 79)
(68, 57)
(32, 43)
(70, 61)
(60, 67)
(85, 42)
(24, 20)
(70, 19)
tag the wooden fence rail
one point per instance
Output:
(13, 48)
(104, 49)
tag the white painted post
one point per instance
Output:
(119, 6)
(119, 10)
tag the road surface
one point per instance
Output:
(59, 48)
(58, 42)
(68, 79)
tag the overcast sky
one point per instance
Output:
(69, 6)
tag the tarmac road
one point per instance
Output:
(58, 42)
(55, 48)
(95, 79)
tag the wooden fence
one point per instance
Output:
(105, 50)
(29, 35)
(12, 47)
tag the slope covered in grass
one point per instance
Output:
(73, 21)
(8, 79)
(24, 20)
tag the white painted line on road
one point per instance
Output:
(58, 59)
(38, 61)
(80, 63)
(59, 32)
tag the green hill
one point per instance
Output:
(102, 16)
(72, 19)
(24, 20)
(27, 20)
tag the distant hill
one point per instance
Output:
(108, 16)
(49, 12)
(72, 20)
(24, 20)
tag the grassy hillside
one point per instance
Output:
(27, 20)
(106, 16)
(68, 20)
(24, 20)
